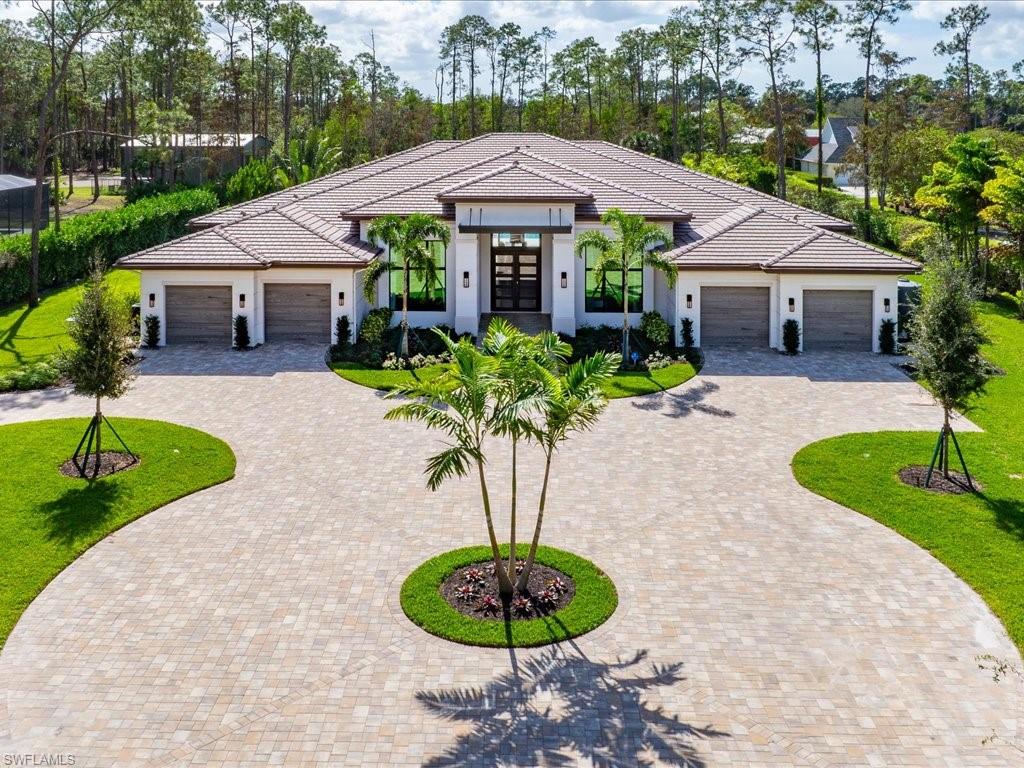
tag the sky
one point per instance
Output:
(407, 31)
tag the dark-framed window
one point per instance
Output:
(422, 297)
(604, 292)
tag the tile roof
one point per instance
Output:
(715, 222)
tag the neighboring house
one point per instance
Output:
(292, 261)
(837, 136)
(17, 200)
(192, 158)
(811, 138)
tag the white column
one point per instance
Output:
(563, 300)
(467, 298)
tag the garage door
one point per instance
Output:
(837, 320)
(199, 314)
(297, 312)
(733, 316)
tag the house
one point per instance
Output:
(17, 201)
(292, 261)
(192, 158)
(811, 138)
(837, 136)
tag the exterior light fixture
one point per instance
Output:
(689, 301)
(341, 298)
(565, 279)
(241, 301)
(465, 279)
(152, 300)
(792, 304)
(888, 305)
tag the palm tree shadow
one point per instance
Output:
(559, 708)
(679, 403)
(1009, 514)
(80, 511)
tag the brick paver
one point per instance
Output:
(257, 623)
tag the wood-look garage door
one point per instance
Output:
(733, 316)
(198, 314)
(837, 320)
(297, 312)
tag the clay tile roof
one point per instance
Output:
(207, 248)
(516, 181)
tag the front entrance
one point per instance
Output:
(515, 273)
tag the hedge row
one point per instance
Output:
(67, 255)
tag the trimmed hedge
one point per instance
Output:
(67, 255)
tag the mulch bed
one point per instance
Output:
(467, 590)
(110, 462)
(956, 483)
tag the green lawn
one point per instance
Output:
(979, 537)
(623, 384)
(29, 335)
(47, 519)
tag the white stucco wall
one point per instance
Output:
(691, 281)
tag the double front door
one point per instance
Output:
(515, 279)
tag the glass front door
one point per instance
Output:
(515, 272)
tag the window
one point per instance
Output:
(604, 292)
(422, 297)
(515, 240)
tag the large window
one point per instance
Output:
(604, 292)
(422, 297)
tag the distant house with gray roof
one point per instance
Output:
(837, 137)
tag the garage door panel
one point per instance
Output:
(198, 314)
(734, 316)
(297, 312)
(839, 320)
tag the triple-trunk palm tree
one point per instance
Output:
(631, 248)
(407, 240)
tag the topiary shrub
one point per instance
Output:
(887, 337)
(686, 326)
(791, 336)
(151, 338)
(241, 332)
(656, 330)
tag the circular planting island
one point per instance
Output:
(454, 596)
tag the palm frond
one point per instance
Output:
(371, 277)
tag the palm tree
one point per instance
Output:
(458, 402)
(519, 394)
(631, 248)
(573, 402)
(407, 242)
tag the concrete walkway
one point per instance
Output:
(257, 623)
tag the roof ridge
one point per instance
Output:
(526, 168)
(431, 180)
(792, 249)
(872, 246)
(334, 243)
(187, 236)
(220, 232)
(747, 215)
(600, 180)
(717, 193)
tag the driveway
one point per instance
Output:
(257, 623)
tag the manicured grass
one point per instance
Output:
(623, 384)
(47, 519)
(594, 602)
(979, 537)
(29, 335)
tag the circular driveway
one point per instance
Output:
(256, 623)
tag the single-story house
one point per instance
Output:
(292, 262)
(837, 136)
(193, 158)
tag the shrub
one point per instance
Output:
(241, 332)
(152, 335)
(375, 326)
(342, 347)
(791, 336)
(33, 376)
(656, 330)
(590, 339)
(106, 236)
(887, 337)
(687, 331)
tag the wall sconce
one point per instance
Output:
(465, 279)
(689, 301)
(341, 298)
(792, 304)
(565, 279)
(152, 300)
(241, 301)
(888, 305)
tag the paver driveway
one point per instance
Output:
(256, 623)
